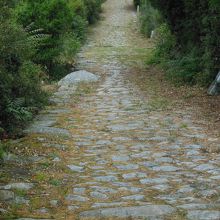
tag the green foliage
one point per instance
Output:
(184, 69)
(165, 46)
(70, 46)
(58, 19)
(55, 18)
(195, 27)
(20, 90)
(93, 8)
(2, 150)
(150, 18)
(78, 7)
(55, 182)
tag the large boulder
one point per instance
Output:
(77, 77)
(214, 89)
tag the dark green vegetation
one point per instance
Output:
(187, 37)
(38, 40)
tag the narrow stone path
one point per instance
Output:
(114, 154)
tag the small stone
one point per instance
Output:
(76, 168)
(76, 198)
(161, 154)
(141, 155)
(215, 177)
(20, 186)
(56, 159)
(79, 190)
(72, 207)
(102, 162)
(92, 183)
(121, 127)
(104, 142)
(121, 139)
(148, 164)
(43, 210)
(134, 175)
(116, 204)
(203, 215)
(131, 189)
(98, 195)
(153, 181)
(106, 178)
(209, 193)
(127, 167)
(204, 167)
(166, 168)
(158, 138)
(164, 160)
(48, 130)
(3, 211)
(137, 197)
(214, 172)
(120, 148)
(103, 189)
(121, 184)
(194, 206)
(173, 147)
(191, 200)
(170, 199)
(54, 203)
(120, 158)
(96, 167)
(6, 195)
(192, 152)
(148, 211)
(161, 187)
(21, 200)
(139, 147)
(185, 189)
(193, 146)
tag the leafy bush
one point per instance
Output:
(19, 76)
(196, 30)
(93, 8)
(165, 45)
(58, 18)
(184, 69)
(70, 45)
(55, 18)
(150, 18)
(2, 150)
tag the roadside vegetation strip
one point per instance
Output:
(186, 38)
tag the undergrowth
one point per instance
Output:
(186, 37)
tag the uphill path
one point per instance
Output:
(112, 153)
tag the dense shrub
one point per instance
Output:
(196, 29)
(60, 19)
(150, 18)
(93, 8)
(20, 89)
(55, 18)
(165, 44)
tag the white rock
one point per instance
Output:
(77, 77)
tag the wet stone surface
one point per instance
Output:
(111, 155)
